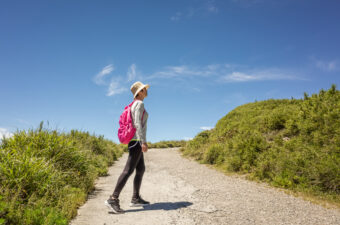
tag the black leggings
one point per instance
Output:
(134, 161)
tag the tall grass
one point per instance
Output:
(293, 144)
(45, 175)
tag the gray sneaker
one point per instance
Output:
(136, 202)
(113, 205)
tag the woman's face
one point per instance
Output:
(144, 92)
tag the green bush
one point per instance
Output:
(289, 143)
(167, 144)
(214, 154)
(45, 175)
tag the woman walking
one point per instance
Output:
(136, 147)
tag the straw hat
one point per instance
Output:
(137, 87)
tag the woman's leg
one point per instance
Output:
(135, 153)
(140, 168)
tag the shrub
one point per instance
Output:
(45, 175)
(214, 154)
(167, 144)
(289, 143)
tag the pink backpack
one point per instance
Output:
(126, 130)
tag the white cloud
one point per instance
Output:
(224, 73)
(5, 133)
(221, 73)
(329, 66)
(184, 70)
(187, 138)
(237, 76)
(259, 75)
(99, 78)
(206, 128)
(115, 87)
(132, 73)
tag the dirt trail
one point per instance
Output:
(182, 191)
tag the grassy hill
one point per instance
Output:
(45, 175)
(293, 143)
(167, 144)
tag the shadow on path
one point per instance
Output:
(94, 193)
(162, 206)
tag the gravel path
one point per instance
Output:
(182, 191)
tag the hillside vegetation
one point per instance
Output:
(45, 175)
(293, 144)
(167, 144)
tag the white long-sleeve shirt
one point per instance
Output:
(137, 110)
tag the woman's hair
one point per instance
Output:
(139, 93)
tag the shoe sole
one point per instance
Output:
(112, 209)
(137, 205)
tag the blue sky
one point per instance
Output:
(71, 63)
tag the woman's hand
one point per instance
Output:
(144, 147)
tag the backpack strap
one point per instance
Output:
(132, 103)
(142, 118)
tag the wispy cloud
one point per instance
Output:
(208, 7)
(206, 128)
(329, 66)
(115, 88)
(118, 83)
(185, 70)
(224, 73)
(99, 78)
(131, 74)
(237, 76)
(218, 73)
(259, 75)
(5, 133)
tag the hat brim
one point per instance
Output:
(141, 88)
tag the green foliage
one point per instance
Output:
(167, 144)
(196, 147)
(214, 154)
(45, 175)
(289, 143)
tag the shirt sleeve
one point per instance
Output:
(138, 114)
